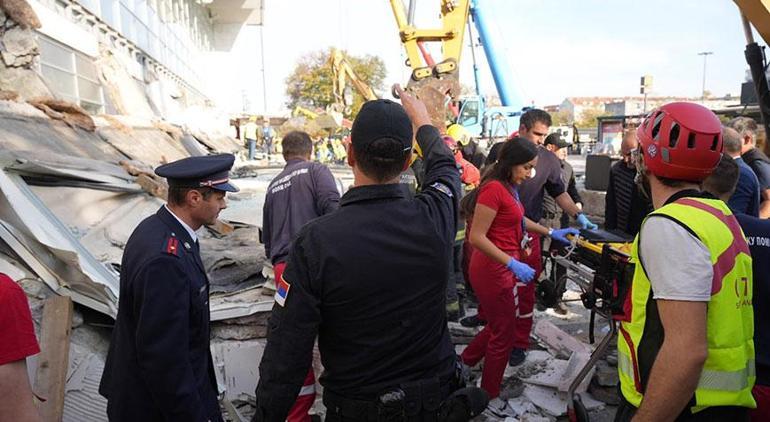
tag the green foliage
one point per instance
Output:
(310, 83)
(561, 118)
(588, 117)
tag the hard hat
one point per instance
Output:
(681, 141)
(459, 133)
(450, 142)
(253, 118)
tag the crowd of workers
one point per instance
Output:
(365, 278)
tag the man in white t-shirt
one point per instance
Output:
(685, 349)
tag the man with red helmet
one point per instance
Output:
(685, 349)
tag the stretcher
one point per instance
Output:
(599, 263)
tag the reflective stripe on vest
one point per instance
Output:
(728, 373)
(734, 381)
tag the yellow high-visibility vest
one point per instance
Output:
(728, 374)
(250, 130)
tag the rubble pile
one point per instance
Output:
(71, 198)
(537, 389)
(19, 51)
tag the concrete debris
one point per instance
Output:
(145, 144)
(607, 395)
(606, 375)
(559, 374)
(174, 132)
(243, 328)
(69, 113)
(512, 387)
(460, 334)
(82, 401)
(26, 82)
(575, 363)
(20, 12)
(555, 403)
(558, 342)
(120, 87)
(18, 47)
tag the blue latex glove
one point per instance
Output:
(585, 222)
(561, 234)
(522, 271)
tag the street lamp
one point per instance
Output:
(705, 54)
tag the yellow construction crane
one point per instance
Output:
(341, 72)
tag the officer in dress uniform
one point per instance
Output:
(159, 365)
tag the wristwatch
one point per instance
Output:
(550, 231)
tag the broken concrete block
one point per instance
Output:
(521, 406)
(608, 395)
(21, 12)
(460, 334)
(575, 364)
(18, 47)
(558, 342)
(606, 376)
(555, 403)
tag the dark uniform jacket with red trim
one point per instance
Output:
(159, 366)
(369, 279)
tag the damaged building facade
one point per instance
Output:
(93, 96)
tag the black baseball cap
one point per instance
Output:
(379, 119)
(556, 140)
(211, 171)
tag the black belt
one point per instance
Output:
(412, 400)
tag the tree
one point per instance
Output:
(561, 118)
(310, 83)
(589, 116)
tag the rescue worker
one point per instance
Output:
(267, 137)
(350, 279)
(159, 365)
(685, 348)
(250, 133)
(722, 183)
(302, 191)
(468, 147)
(470, 178)
(554, 217)
(498, 234)
(546, 178)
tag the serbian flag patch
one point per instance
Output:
(281, 291)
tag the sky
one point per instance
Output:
(555, 48)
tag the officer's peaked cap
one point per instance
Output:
(211, 171)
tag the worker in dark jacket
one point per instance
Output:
(159, 366)
(304, 190)
(369, 281)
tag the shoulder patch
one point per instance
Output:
(171, 246)
(442, 188)
(281, 291)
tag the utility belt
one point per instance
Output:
(416, 400)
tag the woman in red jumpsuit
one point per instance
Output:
(497, 235)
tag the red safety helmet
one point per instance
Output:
(681, 141)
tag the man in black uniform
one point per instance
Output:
(369, 280)
(159, 366)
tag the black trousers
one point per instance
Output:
(626, 411)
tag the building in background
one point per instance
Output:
(145, 58)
